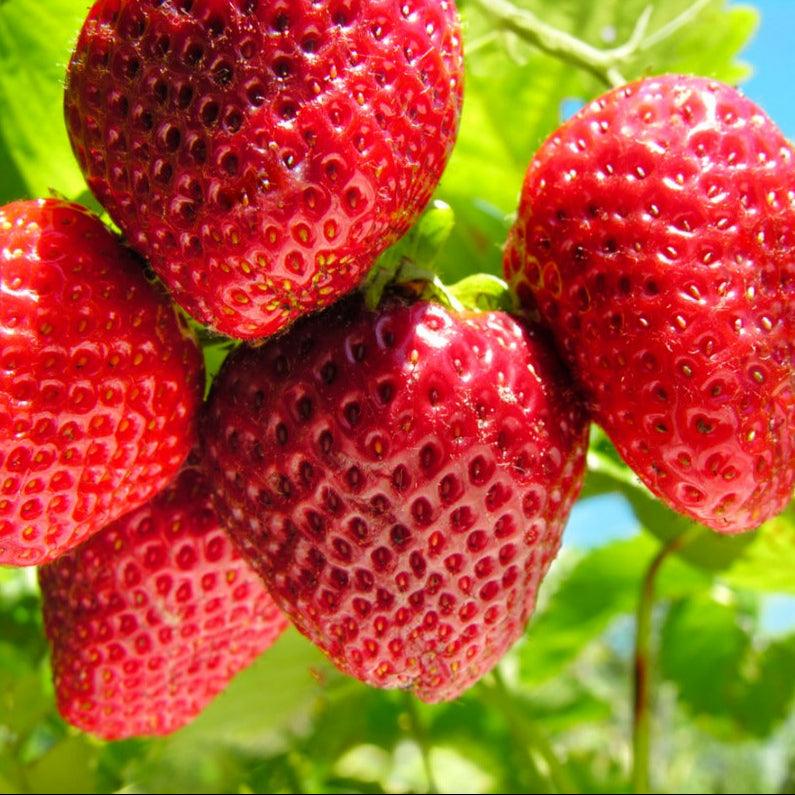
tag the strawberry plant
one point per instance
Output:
(398, 457)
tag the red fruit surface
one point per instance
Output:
(401, 480)
(100, 381)
(151, 618)
(262, 154)
(656, 236)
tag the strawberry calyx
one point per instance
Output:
(409, 269)
(411, 259)
(484, 292)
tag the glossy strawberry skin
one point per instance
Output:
(401, 480)
(150, 619)
(656, 236)
(262, 154)
(100, 383)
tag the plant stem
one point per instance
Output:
(483, 42)
(417, 728)
(528, 736)
(603, 64)
(413, 272)
(675, 25)
(641, 716)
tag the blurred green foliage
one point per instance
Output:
(724, 717)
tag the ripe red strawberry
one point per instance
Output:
(656, 236)
(262, 154)
(151, 618)
(99, 381)
(401, 480)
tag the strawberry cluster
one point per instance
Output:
(393, 476)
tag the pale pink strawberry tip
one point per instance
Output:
(153, 617)
(659, 250)
(262, 155)
(401, 481)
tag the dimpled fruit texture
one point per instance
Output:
(99, 381)
(656, 236)
(262, 154)
(152, 617)
(401, 480)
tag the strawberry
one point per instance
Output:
(262, 154)
(152, 617)
(99, 381)
(656, 236)
(401, 479)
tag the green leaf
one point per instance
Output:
(24, 702)
(11, 780)
(35, 43)
(422, 244)
(707, 46)
(566, 703)
(480, 158)
(215, 354)
(413, 256)
(432, 232)
(767, 698)
(701, 648)
(604, 584)
(710, 551)
(21, 634)
(480, 728)
(12, 186)
(707, 650)
(349, 716)
(68, 767)
(604, 460)
(768, 561)
(483, 291)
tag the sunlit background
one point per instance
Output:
(725, 630)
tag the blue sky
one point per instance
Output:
(773, 57)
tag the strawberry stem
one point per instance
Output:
(420, 736)
(411, 260)
(380, 277)
(604, 64)
(641, 717)
(435, 288)
(675, 25)
(527, 736)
